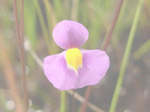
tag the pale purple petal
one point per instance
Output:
(95, 66)
(70, 34)
(55, 69)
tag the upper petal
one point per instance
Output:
(70, 34)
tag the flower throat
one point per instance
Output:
(74, 59)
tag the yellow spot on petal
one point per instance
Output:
(74, 59)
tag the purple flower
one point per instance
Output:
(74, 68)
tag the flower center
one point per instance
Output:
(74, 59)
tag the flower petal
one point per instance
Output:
(70, 34)
(95, 66)
(55, 69)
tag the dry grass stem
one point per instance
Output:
(10, 76)
(20, 38)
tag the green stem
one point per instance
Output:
(126, 57)
(43, 25)
(63, 102)
(51, 24)
(142, 50)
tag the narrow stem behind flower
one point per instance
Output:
(63, 102)
(86, 98)
(50, 14)
(43, 24)
(25, 93)
(51, 18)
(20, 38)
(126, 57)
(110, 31)
(73, 102)
(74, 11)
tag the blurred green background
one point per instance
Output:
(40, 17)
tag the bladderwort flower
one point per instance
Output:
(75, 67)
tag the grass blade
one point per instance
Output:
(142, 50)
(126, 57)
(43, 24)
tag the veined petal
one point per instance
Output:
(94, 68)
(70, 34)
